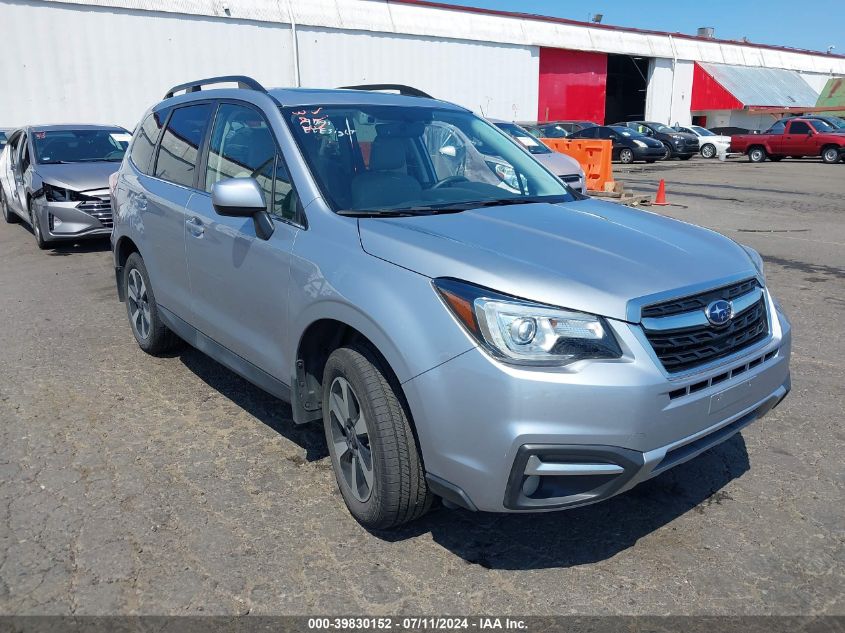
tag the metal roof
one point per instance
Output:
(762, 86)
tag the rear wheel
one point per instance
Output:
(626, 156)
(708, 150)
(149, 330)
(830, 154)
(10, 216)
(756, 154)
(373, 451)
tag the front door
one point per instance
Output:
(239, 282)
(797, 139)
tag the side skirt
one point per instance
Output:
(225, 356)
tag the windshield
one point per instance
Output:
(702, 131)
(524, 138)
(837, 122)
(553, 131)
(80, 146)
(625, 131)
(663, 129)
(395, 158)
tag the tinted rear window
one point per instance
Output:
(145, 141)
(179, 148)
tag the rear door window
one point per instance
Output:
(179, 149)
(146, 138)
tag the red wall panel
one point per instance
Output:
(572, 85)
(708, 94)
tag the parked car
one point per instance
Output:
(4, 132)
(55, 178)
(555, 129)
(628, 145)
(798, 137)
(712, 144)
(505, 351)
(730, 131)
(676, 144)
(564, 167)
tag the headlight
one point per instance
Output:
(505, 173)
(59, 194)
(755, 258)
(639, 143)
(527, 333)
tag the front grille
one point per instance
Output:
(98, 208)
(686, 348)
(699, 301)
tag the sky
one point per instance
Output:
(775, 22)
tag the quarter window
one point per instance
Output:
(145, 140)
(179, 149)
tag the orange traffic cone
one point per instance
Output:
(660, 198)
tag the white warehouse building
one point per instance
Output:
(106, 61)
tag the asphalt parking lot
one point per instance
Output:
(130, 484)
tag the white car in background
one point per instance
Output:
(564, 167)
(711, 144)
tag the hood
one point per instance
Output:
(559, 164)
(78, 176)
(587, 255)
(650, 142)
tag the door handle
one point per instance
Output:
(195, 226)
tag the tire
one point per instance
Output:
(10, 216)
(375, 430)
(708, 151)
(756, 154)
(152, 335)
(685, 157)
(668, 153)
(626, 156)
(830, 154)
(776, 159)
(36, 229)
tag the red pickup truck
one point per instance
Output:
(799, 137)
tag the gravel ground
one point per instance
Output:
(130, 484)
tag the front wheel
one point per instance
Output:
(35, 222)
(373, 451)
(830, 155)
(626, 156)
(708, 150)
(149, 330)
(756, 155)
(667, 153)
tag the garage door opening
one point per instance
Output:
(626, 88)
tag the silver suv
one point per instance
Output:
(503, 348)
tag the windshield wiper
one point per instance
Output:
(397, 213)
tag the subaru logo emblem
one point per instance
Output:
(719, 312)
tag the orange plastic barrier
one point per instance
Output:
(593, 155)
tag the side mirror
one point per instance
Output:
(449, 150)
(243, 198)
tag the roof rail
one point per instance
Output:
(196, 86)
(407, 91)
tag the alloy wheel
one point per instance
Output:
(831, 155)
(139, 306)
(626, 156)
(351, 440)
(708, 151)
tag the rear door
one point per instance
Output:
(166, 194)
(239, 282)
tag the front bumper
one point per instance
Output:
(584, 432)
(65, 220)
